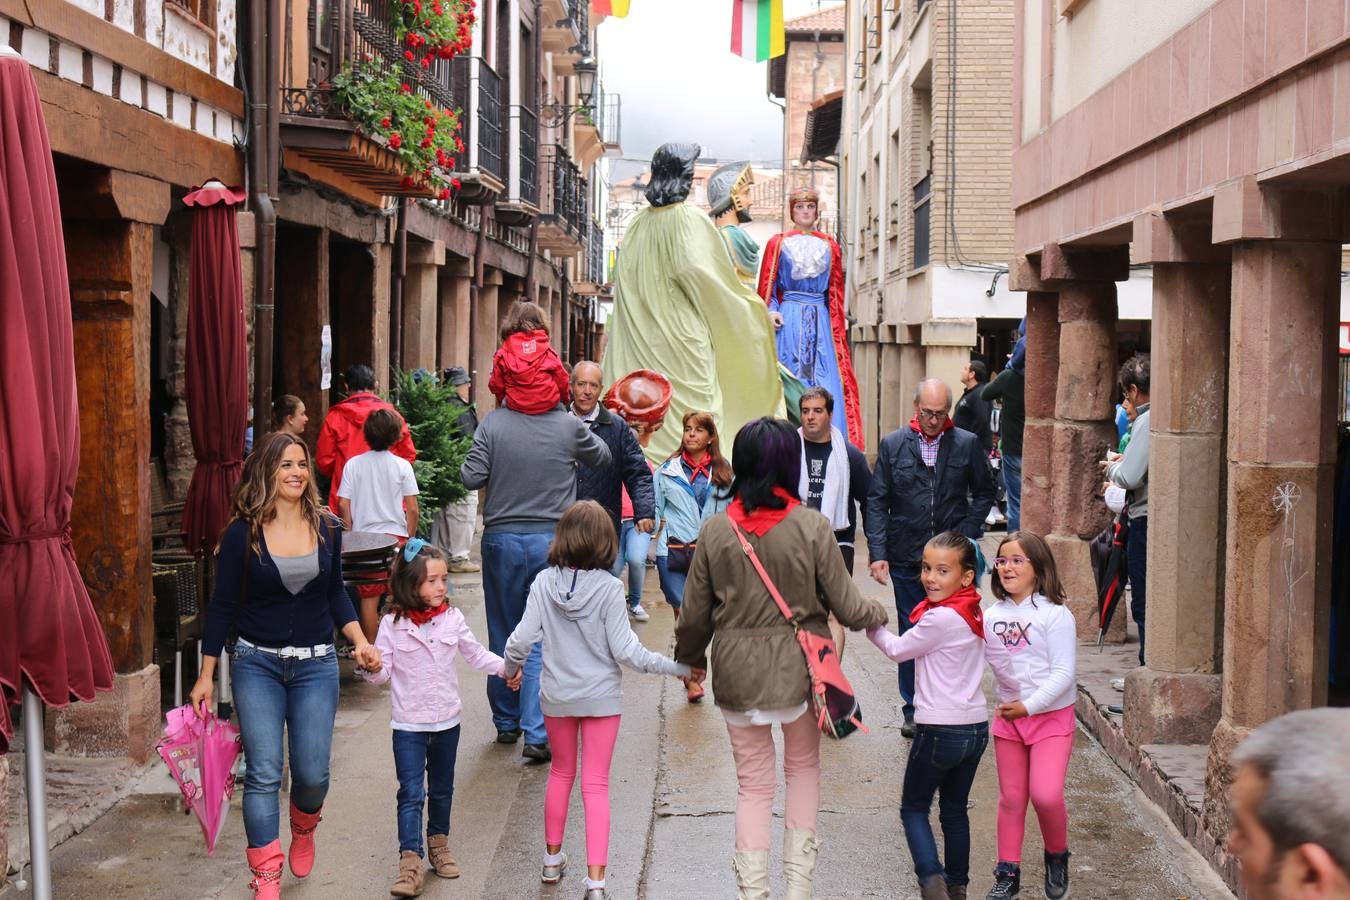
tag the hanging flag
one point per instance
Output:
(616, 8)
(757, 29)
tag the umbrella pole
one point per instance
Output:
(35, 765)
(225, 702)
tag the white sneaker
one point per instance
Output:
(553, 874)
(638, 614)
(995, 516)
(1118, 684)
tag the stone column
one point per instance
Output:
(110, 261)
(452, 318)
(1042, 379)
(382, 270)
(420, 304)
(486, 339)
(1174, 697)
(1281, 461)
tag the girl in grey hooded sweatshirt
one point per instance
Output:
(577, 608)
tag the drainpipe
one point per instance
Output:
(262, 42)
(396, 287)
(476, 289)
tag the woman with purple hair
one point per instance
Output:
(758, 671)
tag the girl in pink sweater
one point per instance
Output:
(950, 648)
(418, 643)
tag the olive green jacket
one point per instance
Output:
(756, 660)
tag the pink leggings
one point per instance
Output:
(756, 761)
(1036, 772)
(598, 734)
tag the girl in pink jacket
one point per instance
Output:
(419, 640)
(949, 646)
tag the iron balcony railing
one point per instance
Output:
(579, 13)
(604, 115)
(565, 194)
(595, 254)
(486, 133)
(529, 155)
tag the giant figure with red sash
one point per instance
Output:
(801, 279)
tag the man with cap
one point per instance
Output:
(452, 528)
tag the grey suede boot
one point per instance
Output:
(935, 888)
(799, 862)
(752, 874)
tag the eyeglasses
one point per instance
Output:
(932, 413)
(1010, 562)
(412, 548)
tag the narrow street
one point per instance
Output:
(673, 797)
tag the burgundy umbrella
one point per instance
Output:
(216, 364)
(51, 643)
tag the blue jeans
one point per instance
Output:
(942, 760)
(1012, 486)
(633, 545)
(425, 764)
(908, 594)
(672, 583)
(510, 562)
(280, 699)
(1136, 563)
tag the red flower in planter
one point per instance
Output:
(395, 140)
(426, 142)
(454, 183)
(426, 62)
(444, 194)
(408, 55)
(405, 88)
(384, 123)
(406, 183)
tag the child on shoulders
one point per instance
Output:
(527, 373)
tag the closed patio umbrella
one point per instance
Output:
(52, 647)
(216, 364)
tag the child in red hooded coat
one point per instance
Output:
(527, 374)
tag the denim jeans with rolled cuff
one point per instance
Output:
(943, 760)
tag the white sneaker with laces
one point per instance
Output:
(638, 614)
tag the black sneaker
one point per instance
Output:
(537, 753)
(509, 736)
(1057, 875)
(1007, 881)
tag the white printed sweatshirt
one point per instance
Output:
(1043, 642)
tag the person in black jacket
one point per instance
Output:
(628, 467)
(972, 410)
(929, 477)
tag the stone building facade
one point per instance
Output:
(1207, 143)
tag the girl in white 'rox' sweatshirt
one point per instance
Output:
(1033, 735)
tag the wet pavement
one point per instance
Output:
(673, 796)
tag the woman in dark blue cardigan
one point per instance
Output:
(279, 589)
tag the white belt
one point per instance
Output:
(314, 652)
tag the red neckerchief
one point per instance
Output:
(425, 614)
(946, 427)
(763, 518)
(965, 603)
(705, 467)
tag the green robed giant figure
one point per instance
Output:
(679, 308)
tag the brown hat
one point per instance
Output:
(640, 398)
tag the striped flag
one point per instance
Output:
(757, 29)
(616, 8)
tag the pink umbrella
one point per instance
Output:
(200, 754)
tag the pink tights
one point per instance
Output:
(598, 734)
(756, 761)
(1035, 772)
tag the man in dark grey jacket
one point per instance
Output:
(929, 477)
(529, 466)
(628, 467)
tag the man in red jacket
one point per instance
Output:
(340, 438)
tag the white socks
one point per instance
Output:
(552, 859)
(592, 884)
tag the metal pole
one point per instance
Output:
(224, 699)
(35, 780)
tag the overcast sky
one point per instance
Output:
(672, 62)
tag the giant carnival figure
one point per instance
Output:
(802, 281)
(680, 310)
(729, 207)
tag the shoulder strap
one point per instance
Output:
(763, 575)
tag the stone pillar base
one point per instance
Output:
(1219, 776)
(1171, 707)
(123, 722)
(4, 820)
(1074, 564)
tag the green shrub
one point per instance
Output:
(441, 449)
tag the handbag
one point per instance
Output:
(832, 699)
(680, 557)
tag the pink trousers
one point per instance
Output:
(756, 776)
(597, 736)
(1032, 772)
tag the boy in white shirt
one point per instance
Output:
(378, 493)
